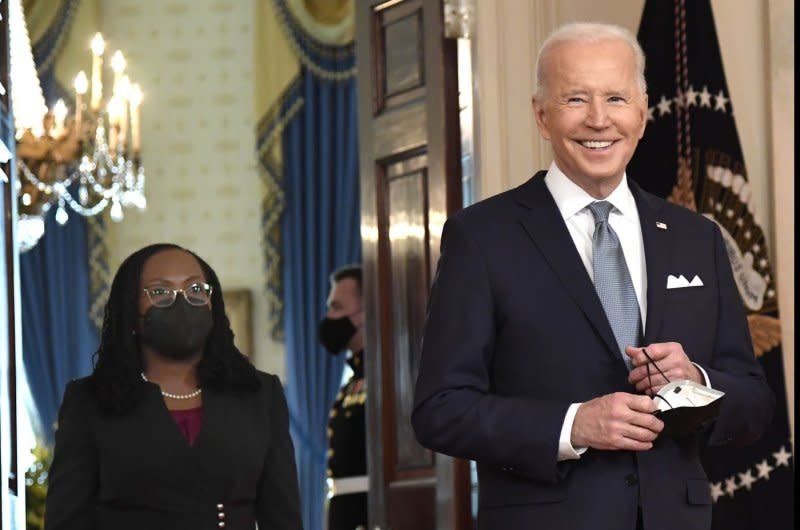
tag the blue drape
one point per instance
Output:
(311, 224)
(57, 336)
(321, 231)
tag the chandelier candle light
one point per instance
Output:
(98, 148)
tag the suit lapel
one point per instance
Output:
(545, 226)
(657, 250)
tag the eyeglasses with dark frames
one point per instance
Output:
(197, 294)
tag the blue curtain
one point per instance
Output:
(321, 231)
(57, 336)
(311, 225)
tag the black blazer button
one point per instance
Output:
(631, 479)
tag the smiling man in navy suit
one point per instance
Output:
(551, 314)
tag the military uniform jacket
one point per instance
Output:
(138, 471)
(347, 447)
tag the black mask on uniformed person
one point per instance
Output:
(335, 333)
(178, 331)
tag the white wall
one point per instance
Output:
(195, 61)
(509, 149)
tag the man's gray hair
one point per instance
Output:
(587, 32)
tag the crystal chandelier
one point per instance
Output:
(85, 162)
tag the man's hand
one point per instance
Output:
(671, 360)
(616, 421)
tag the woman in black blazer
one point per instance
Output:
(174, 429)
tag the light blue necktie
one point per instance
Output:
(612, 281)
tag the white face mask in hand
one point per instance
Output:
(684, 405)
(685, 393)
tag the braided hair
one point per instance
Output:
(118, 362)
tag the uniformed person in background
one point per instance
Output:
(343, 329)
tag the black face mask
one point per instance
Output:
(335, 333)
(178, 331)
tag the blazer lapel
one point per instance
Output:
(657, 250)
(545, 226)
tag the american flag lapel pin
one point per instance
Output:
(662, 226)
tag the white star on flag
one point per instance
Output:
(747, 479)
(721, 102)
(730, 485)
(664, 106)
(782, 457)
(690, 97)
(716, 490)
(650, 115)
(764, 469)
(705, 97)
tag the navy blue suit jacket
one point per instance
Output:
(515, 333)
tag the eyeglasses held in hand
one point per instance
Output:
(195, 294)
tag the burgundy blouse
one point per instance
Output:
(189, 422)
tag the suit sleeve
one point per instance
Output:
(749, 403)
(73, 475)
(278, 496)
(456, 409)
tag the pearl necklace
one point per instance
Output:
(190, 395)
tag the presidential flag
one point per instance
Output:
(691, 155)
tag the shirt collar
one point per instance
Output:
(571, 198)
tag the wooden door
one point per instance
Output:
(410, 181)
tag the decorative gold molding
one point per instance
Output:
(331, 22)
(298, 40)
(269, 131)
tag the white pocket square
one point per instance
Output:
(681, 281)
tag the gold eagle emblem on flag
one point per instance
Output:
(726, 201)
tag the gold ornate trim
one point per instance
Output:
(297, 47)
(331, 22)
(269, 131)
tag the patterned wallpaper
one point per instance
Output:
(194, 60)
